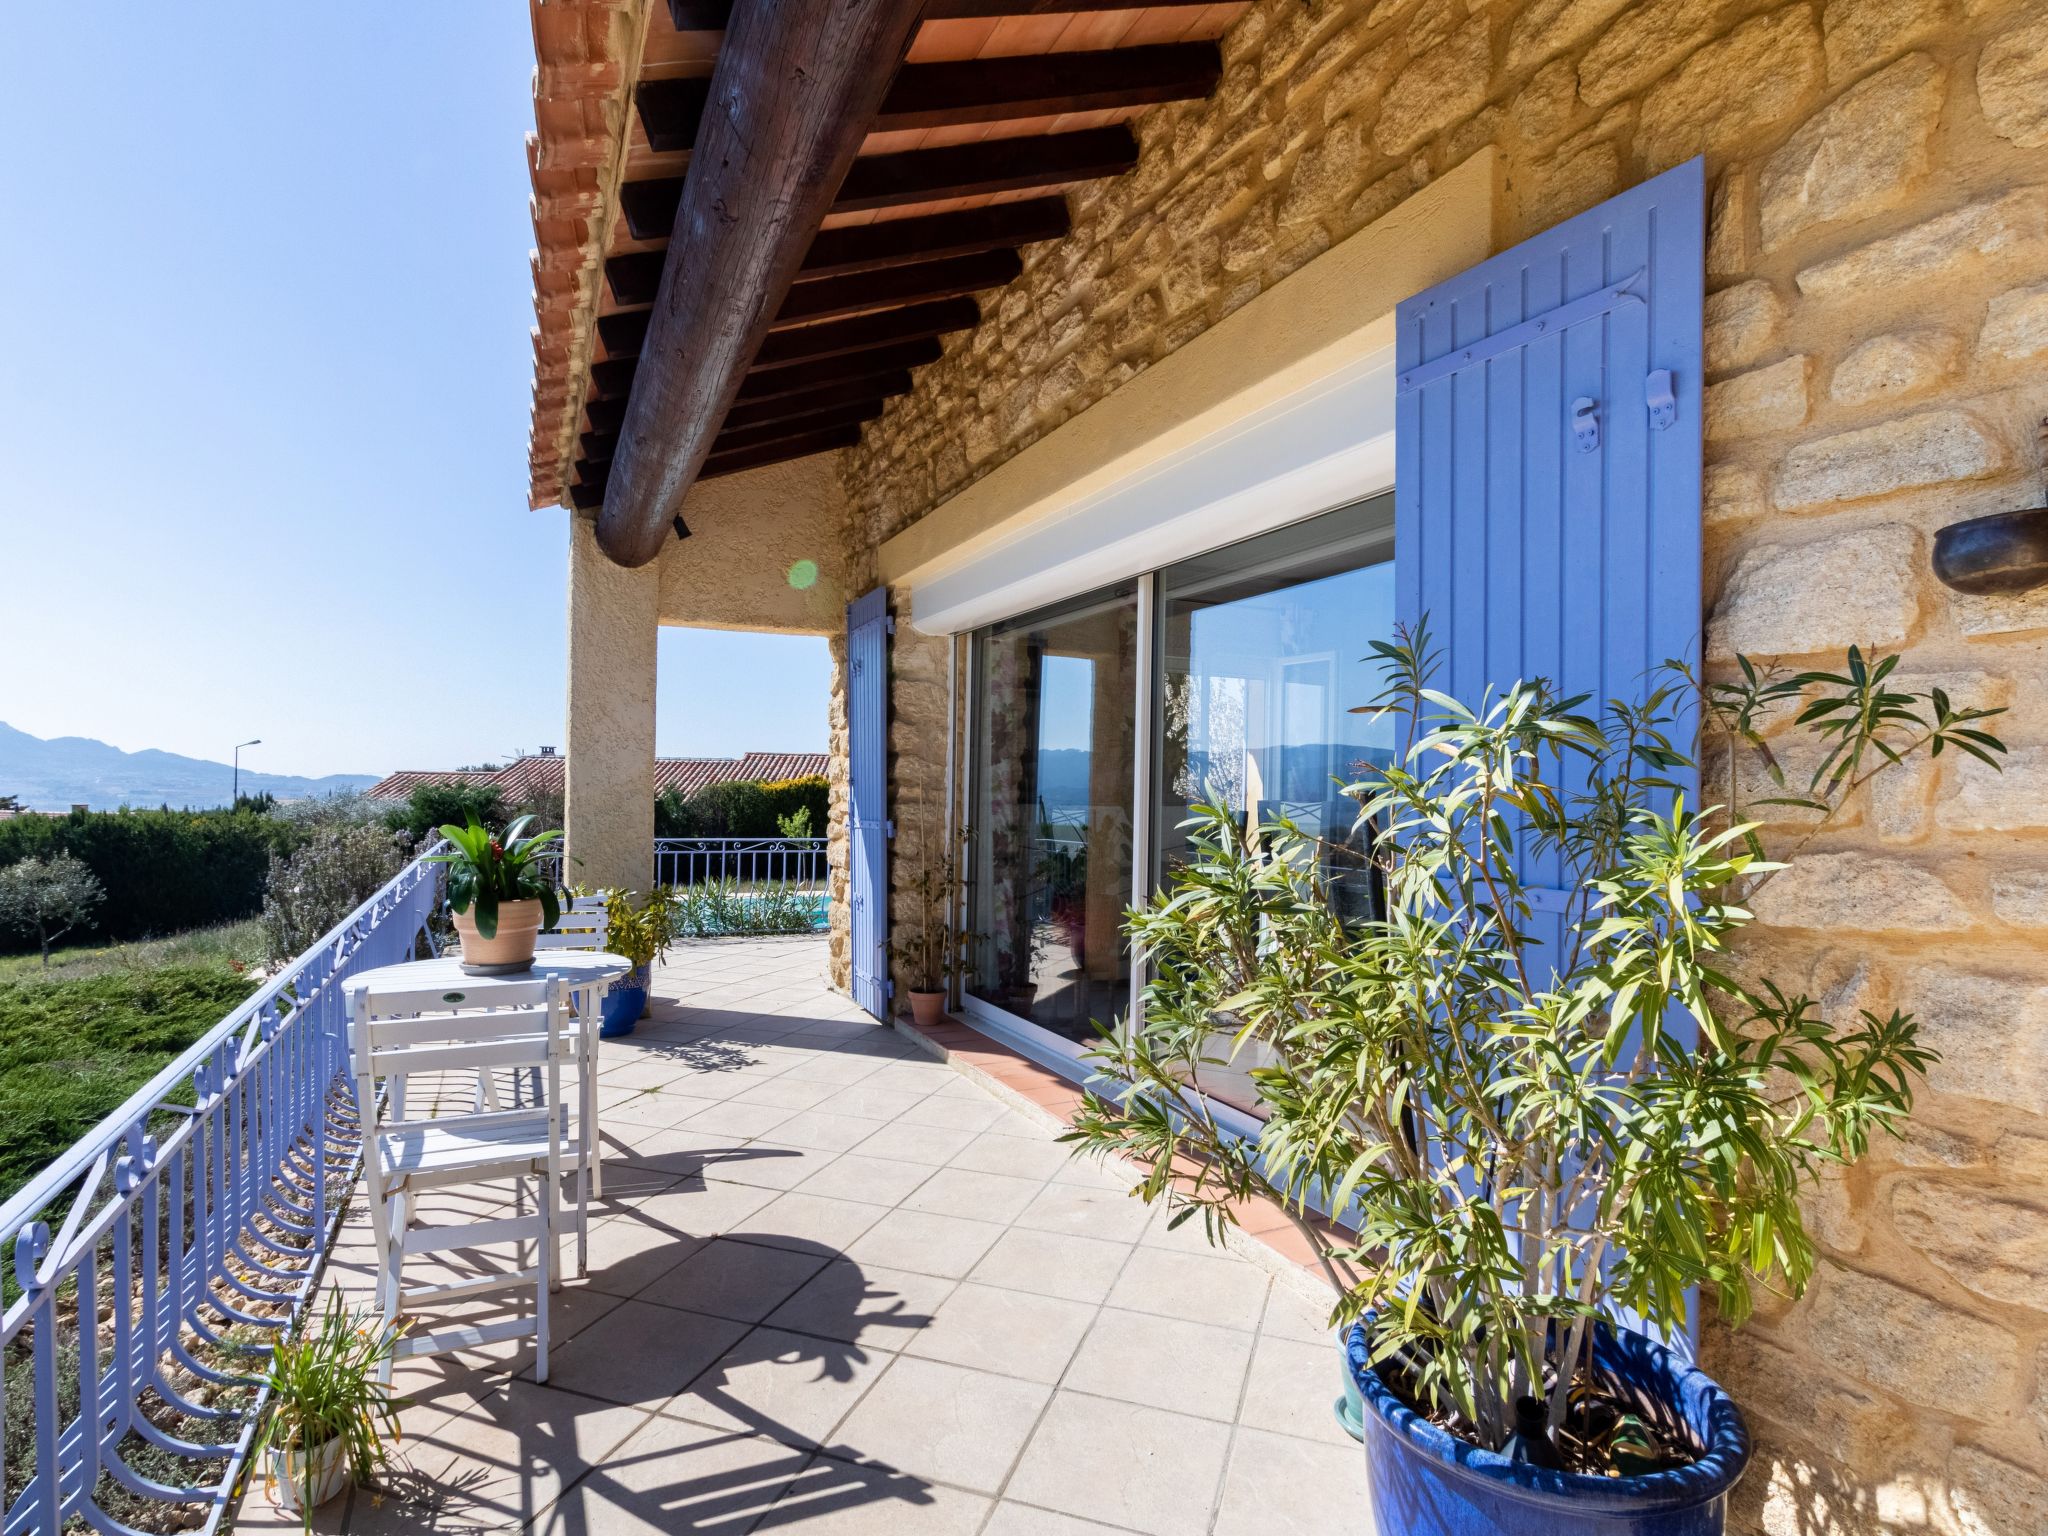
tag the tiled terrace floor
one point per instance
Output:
(837, 1286)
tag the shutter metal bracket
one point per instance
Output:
(1550, 322)
(889, 829)
(1586, 423)
(1661, 399)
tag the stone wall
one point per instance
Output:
(1877, 346)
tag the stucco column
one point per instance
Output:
(613, 620)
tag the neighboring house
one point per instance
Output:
(543, 774)
(1601, 332)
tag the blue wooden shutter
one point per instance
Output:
(1547, 453)
(867, 799)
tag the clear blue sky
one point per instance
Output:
(264, 377)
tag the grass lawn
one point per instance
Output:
(77, 1039)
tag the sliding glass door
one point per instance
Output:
(1054, 772)
(1254, 668)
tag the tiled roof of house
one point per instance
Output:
(539, 775)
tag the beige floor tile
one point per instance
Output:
(1292, 1388)
(1026, 1520)
(1163, 1362)
(767, 1164)
(497, 1463)
(1085, 1212)
(1289, 1316)
(705, 1208)
(1278, 1483)
(838, 1498)
(875, 1180)
(1022, 1157)
(674, 1476)
(627, 1254)
(831, 1133)
(781, 1091)
(1223, 1289)
(871, 1103)
(792, 1387)
(981, 1196)
(942, 1422)
(862, 1304)
(737, 1118)
(928, 1243)
(742, 1281)
(810, 1222)
(1011, 1333)
(1052, 1264)
(641, 1354)
(1142, 1469)
(915, 1143)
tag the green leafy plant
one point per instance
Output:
(485, 870)
(796, 823)
(324, 1386)
(724, 909)
(1535, 1118)
(642, 932)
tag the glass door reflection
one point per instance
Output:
(1054, 771)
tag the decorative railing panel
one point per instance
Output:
(751, 861)
(152, 1262)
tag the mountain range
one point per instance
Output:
(57, 774)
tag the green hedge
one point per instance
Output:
(743, 808)
(163, 871)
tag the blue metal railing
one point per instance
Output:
(190, 1226)
(797, 862)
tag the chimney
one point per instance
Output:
(547, 751)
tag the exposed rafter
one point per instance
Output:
(876, 362)
(964, 91)
(711, 15)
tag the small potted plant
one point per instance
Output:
(930, 952)
(1531, 1083)
(642, 934)
(500, 894)
(329, 1412)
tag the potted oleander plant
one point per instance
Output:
(501, 892)
(330, 1412)
(1548, 1108)
(642, 932)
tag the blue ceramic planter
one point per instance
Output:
(621, 1007)
(1426, 1482)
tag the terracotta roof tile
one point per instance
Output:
(529, 776)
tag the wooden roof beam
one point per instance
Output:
(963, 91)
(796, 85)
(836, 338)
(828, 298)
(732, 439)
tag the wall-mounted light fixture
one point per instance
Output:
(2001, 554)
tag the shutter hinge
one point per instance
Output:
(1586, 423)
(889, 829)
(1661, 399)
(891, 622)
(888, 989)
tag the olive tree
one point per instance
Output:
(46, 898)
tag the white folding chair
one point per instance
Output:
(398, 1035)
(584, 925)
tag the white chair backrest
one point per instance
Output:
(401, 1033)
(581, 927)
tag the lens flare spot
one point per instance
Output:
(804, 575)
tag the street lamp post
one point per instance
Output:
(255, 742)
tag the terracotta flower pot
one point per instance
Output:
(518, 926)
(927, 1009)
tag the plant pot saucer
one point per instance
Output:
(498, 968)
